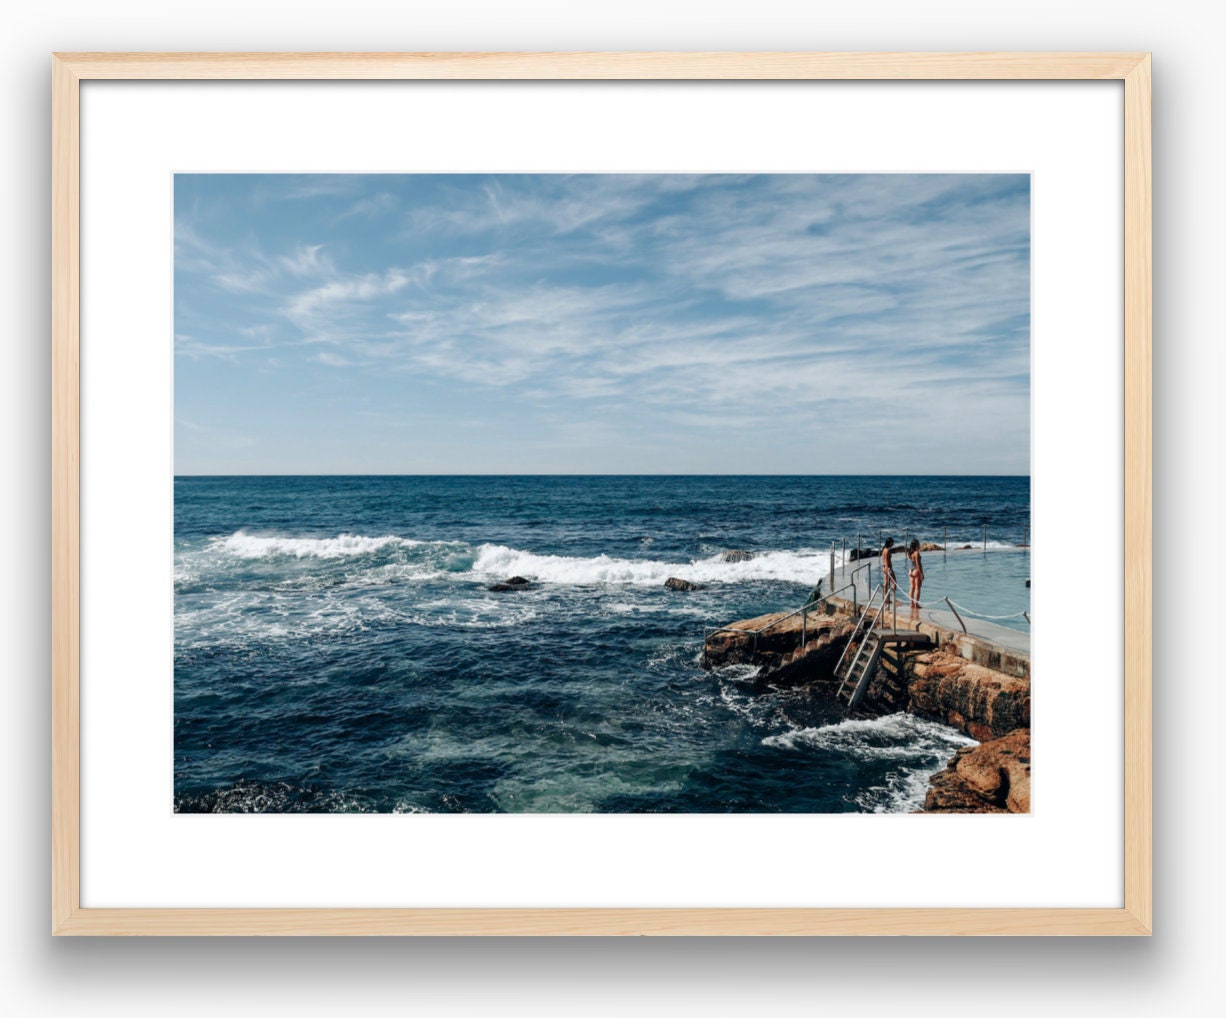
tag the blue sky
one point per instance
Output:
(425, 324)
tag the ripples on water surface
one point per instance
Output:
(337, 649)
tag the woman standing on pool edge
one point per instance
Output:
(916, 572)
(888, 581)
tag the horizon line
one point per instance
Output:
(610, 474)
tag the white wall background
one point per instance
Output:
(1176, 972)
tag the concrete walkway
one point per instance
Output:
(1002, 636)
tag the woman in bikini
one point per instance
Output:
(888, 582)
(916, 572)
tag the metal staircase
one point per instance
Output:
(859, 660)
(862, 655)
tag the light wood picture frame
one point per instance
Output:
(69, 70)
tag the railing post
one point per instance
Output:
(832, 565)
(956, 615)
(945, 545)
(844, 556)
(985, 537)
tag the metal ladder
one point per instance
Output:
(863, 663)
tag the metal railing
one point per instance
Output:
(865, 640)
(855, 633)
(816, 604)
(853, 584)
(875, 550)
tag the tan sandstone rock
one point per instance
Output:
(985, 704)
(993, 777)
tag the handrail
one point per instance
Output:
(853, 586)
(864, 640)
(868, 606)
(867, 565)
(846, 586)
(803, 610)
(988, 618)
(804, 633)
(807, 607)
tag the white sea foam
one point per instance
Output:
(263, 616)
(913, 747)
(246, 545)
(903, 791)
(406, 559)
(496, 560)
(976, 544)
(895, 736)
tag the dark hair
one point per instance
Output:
(889, 542)
(914, 545)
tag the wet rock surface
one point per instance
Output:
(514, 583)
(789, 651)
(675, 583)
(983, 703)
(737, 556)
(988, 705)
(993, 777)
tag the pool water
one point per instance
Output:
(985, 583)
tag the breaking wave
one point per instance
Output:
(390, 558)
(791, 566)
(247, 546)
(910, 747)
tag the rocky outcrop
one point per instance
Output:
(736, 556)
(993, 777)
(862, 553)
(673, 583)
(983, 703)
(788, 651)
(986, 704)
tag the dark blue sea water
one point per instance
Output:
(337, 647)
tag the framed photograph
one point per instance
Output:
(589, 494)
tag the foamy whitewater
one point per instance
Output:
(337, 647)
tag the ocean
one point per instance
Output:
(337, 648)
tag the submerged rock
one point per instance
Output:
(673, 583)
(514, 583)
(737, 556)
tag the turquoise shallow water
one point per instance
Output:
(337, 647)
(989, 584)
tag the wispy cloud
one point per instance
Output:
(308, 260)
(703, 304)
